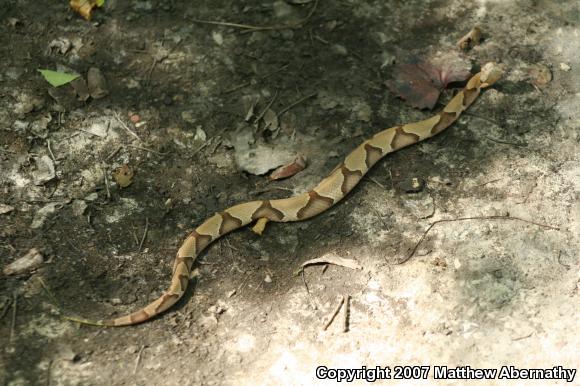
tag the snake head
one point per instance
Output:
(490, 73)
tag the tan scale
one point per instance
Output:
(327, 193)
(356, 159)
(422, 128)
(211, 226)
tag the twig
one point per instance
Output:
(13, 322)
(252, 28)
(50, 150)
(522, 337)
(376, 182)
(107, 184)
(312, 304)
(473, 218)
(5, 308)
(124, 125)
(144, 233)
(236, 88)
(207, 142)
(146, 149)
(296, 103)
(345, 324)
(261, 115)
(334, 313)
(89, 133)
(113, 153)
(138, 360)
(48, 369)
(489, 182)
(135, 237)
(489, 120)
(49, 293)
(506, 142)
(260, 78)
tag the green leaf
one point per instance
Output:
(100, 3)
(57, 78)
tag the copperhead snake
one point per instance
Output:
(327, 193)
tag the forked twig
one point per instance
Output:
(473, 218)
(253, 28)
(334, 313)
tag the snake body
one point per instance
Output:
(327, 193)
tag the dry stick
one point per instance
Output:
(207, 142)
(334, 313)
(146, 149)
(296, 103)
(50, 150)
(107, 185)
(345, 324)
(312, 304)
(506, 142)
(113, 153)
(376, 182)
(144, 233)
(261, 115)
(124, 125)
(252, 28)
(6, 306)
(49, 293)
(473, 218)
(138, 360)
(13, 323)
(260, 78)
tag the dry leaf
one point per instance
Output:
(289, 170)
(123, 176)
(472, 39)
(26, 263)
(85, 7)
(540, 75)
(420, 83)
(332, 259)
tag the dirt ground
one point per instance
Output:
(482, 292)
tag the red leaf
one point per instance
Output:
(421, 83)
(289, 170)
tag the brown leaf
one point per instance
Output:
(123, 175)
(84, 7)
(420, 83)
(289, 170)
(472, 39)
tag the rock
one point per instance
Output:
(419, 205)
(92, 196)
(31, 260)
(96, 83)
(43, 213)
(412, 185)
(340, 49)
(5, 208)
(40, 127)
(44, 170)
(326, 101)
(217, 38)
(28, 103)
(59, 46)
(79, 207)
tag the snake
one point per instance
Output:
(303, 206)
